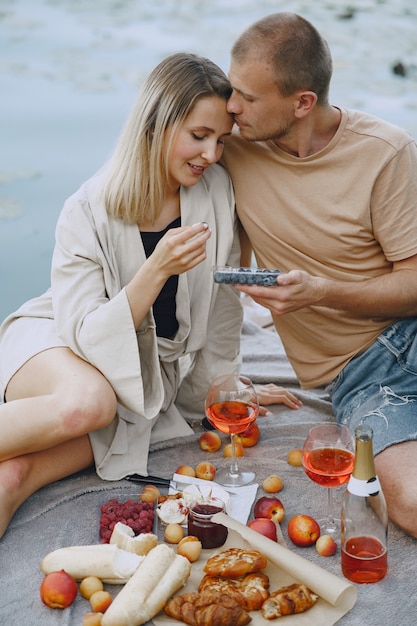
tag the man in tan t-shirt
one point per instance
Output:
(328, 195)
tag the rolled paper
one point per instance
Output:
(334, 590)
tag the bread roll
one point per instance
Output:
(157, 578)
(105, 561)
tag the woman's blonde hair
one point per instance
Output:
(138, 171)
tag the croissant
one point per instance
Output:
(295, 598)
(250, 590)
(235, 562)
(207, 609)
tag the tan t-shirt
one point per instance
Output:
(346, 213)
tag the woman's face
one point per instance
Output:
(199, 141)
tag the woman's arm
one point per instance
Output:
(179, 250)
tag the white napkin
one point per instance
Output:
(241, 498)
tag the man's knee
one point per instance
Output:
(396, 467)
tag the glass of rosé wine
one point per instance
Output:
(328, 456)
(231, 406)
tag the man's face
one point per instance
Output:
(260, 111)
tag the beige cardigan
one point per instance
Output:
(86, 309)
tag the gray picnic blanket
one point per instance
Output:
(67, 512)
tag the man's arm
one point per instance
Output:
(392, 295)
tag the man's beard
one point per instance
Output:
(272, 135)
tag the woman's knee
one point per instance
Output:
(90, 407)
(77, 396)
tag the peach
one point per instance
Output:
(92, 619)
(190, 547)
(100, 601)
(326, 545)
(58, 590)
(250, 436)
(265, 526)
(185, 470)
(205, 470)
(173, 533)
(90, 585)
(303, 530)
(272, 484)
(239, 450)
(210, 441)
(150, 493)
(295, 457)
(270, 507)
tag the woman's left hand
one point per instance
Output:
(273, 394)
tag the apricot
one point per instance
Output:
(239, 450)
(205, 470)
(272, 484)
(92, 619)
(58, 590)
(173, 533)
(90, 585)
(190, 547)
(210, 441)
(100, 601)
(250, 436)
(326, 545)
(150, 493)
(295, 457)
(185, 470)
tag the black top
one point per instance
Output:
(164, 308)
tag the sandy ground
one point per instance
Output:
(70, 71)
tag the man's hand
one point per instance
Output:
(295, 290)
(389, 296)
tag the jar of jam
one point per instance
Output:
(210, 534)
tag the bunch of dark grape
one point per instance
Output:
(138, 515)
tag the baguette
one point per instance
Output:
(107, 562)
(157, 578)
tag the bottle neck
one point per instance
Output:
(363, 481)
(364, 467)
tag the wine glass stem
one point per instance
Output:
(330, 516)
(234, 469)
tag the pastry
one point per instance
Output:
(295, 598)
(235, 562)
(207, 609)
(250, 590)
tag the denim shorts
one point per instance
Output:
(379, 387)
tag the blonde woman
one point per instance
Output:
(123, 345)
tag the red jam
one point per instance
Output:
(211, 535)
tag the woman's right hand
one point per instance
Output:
(180, 249)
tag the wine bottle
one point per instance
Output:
(364, 519)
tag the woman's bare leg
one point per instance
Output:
(54, 397)
(52, 403)
(22, 476)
